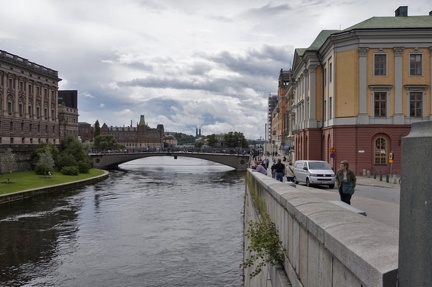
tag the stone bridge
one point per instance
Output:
(112, 160)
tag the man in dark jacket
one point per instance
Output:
(279, 170)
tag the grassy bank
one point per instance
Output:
(29, 179)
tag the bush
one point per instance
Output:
(70, 170)
(41, 169)
(64, 160)
(84, 166)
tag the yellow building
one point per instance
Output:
(355, 92)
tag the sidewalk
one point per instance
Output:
(381, 211)
(364, 180)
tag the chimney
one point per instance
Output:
(402, 11)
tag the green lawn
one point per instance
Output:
(29, 179)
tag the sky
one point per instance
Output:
(186, 64)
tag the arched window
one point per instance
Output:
(380, 151)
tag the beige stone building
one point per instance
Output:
(354, 93)
(28, 101)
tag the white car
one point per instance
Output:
(314, 172)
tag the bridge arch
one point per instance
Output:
(112, 160)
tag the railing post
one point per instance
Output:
(415, 223)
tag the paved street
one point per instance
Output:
(379, 210)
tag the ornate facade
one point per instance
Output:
(28, 101)
(356, 92)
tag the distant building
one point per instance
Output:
(68, 113)
(170, 141)
(28, 101)
(139, 137)
(85, 131)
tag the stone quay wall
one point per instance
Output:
(325, 244)
(20, 195)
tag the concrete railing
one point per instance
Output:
(326, 245)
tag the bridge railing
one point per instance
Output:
(326, 245)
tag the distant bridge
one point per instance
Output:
(112, 160)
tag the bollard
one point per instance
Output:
(387, 178)
(415, 220)
(374, 175)
(380, 176)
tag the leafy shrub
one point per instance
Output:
(65, 159)
(84, 166)
(70, 170)
(41, 169)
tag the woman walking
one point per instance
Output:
(346, 181)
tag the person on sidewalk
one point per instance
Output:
(289, 171)
(279, 170)
(346, 181)
(260, 167)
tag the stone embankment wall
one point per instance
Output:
(326, 245)
(20, 195)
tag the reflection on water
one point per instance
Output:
(155, 222)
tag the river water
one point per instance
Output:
(155, 222)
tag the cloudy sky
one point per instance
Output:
(185, 64)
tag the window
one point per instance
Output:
(30, 111)
(380, 153)
(9, 108)
(416, 103)
(380, 64)
(22, 127)
(37, 112)
(37, 91)
(21, 109)
(380, 103)
(415, 64)
(330, 72)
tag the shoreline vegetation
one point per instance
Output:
(29, 180)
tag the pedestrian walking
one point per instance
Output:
(346, 181)
(279, 168)
(289, 172)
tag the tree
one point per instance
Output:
(73, 157)
(45, 163)
(96, 129)
(212, 140)
(104, 143)
(235, 139)
(199, 144)
(8, 163)
(42, 149)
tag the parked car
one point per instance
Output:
(314, 172)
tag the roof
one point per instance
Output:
(394, 23)
(400, 22)
(320, 39)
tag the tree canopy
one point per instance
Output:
(235, 139)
